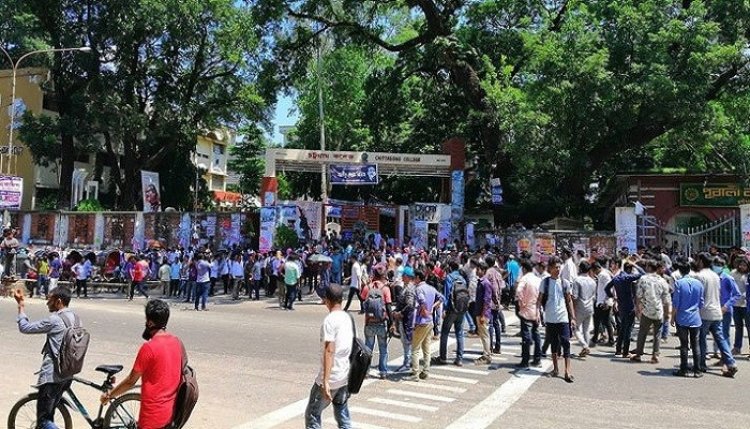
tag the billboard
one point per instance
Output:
(151, 191)
(11, 192)
(353, 174)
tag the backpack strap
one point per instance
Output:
(354, 326)
(184, 355)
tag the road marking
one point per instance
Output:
(385, 414)
(499, 401)
(461, 370)
(277, 417)
(434, 386)
(421, 395)
(355, 425)
(455, 379)
(404, 404)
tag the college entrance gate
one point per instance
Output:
(722, 233)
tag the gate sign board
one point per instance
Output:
(713, 194)
(353, 174)
(745, 224)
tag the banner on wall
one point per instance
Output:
(151, 191)
(444, 234)
(523, 244)
(544, 244)
(425, 212)
(419, 234)
(353, 174)
(302, 216)
(626, 227)
(11, 192)
(469, 234)
(457, 196)
(267, 228)
(745, 224)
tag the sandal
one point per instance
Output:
(554, 373)
(569, 378)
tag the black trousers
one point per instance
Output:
(82, 284)
(352, 293)
(687, 334)
(601, 322)
(50, 395)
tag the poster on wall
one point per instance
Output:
(151, 191)
(626, 227)
(523, 244)
(302, 216)
(457, 196)
(11, 192)
(544, 244)
(444, 234)
(419, 234)
(267, 228)
(745, 224)
(469, 234)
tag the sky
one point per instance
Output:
(283, 116)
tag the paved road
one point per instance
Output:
(256, 363)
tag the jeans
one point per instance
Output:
(436, 320)
(495, 330)
(689, 334)
(41, 285)
(140, 286)
(420, 348)
(456, 321)
(336, 277)
(318, 403)
(379, 330)
(529, 334)
(190, 291)
(627, 321)
(50, 395)
(237, 284)
(648, 324)
(470, 319)
(291, 294)
(741, 323)
(665, 329)
(201, 294)
(726, 324)
(405, 343)
(256, 289)
(714, 327)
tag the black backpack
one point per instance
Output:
(359, 362)
(460, 296)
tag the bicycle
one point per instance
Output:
(122, 413)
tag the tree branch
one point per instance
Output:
(723, 80)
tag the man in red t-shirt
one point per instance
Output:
(159, 364)
(138, 273)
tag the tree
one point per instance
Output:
(159, 74)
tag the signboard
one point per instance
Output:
(267, 228)
(353, 174)
(11, 192)
(151, 191)
(399, 159)
(419, 234)
(713, 194)
(745, 224)
(496, 188)
(304, 217)
(425, 212)
(626, 225)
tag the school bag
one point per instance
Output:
(73, 348)
(187, 394)
(374, 305)
(359, 362)
(460, 296)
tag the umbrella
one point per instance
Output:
(320, 258)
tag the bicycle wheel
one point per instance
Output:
(123, 412)
(23, 414)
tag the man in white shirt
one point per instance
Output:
(354, 282)
(569, 270)
(603, 304)
(336, 335)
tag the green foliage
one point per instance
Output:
(285, 238)
(247, 160)
(89, 205)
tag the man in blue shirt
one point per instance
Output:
(428, 298)
(514, 273)
(729, 294)
(337, 265)
(623, 282)
(687, 300)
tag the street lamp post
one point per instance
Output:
(13, 92)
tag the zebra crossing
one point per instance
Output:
(398, 403)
